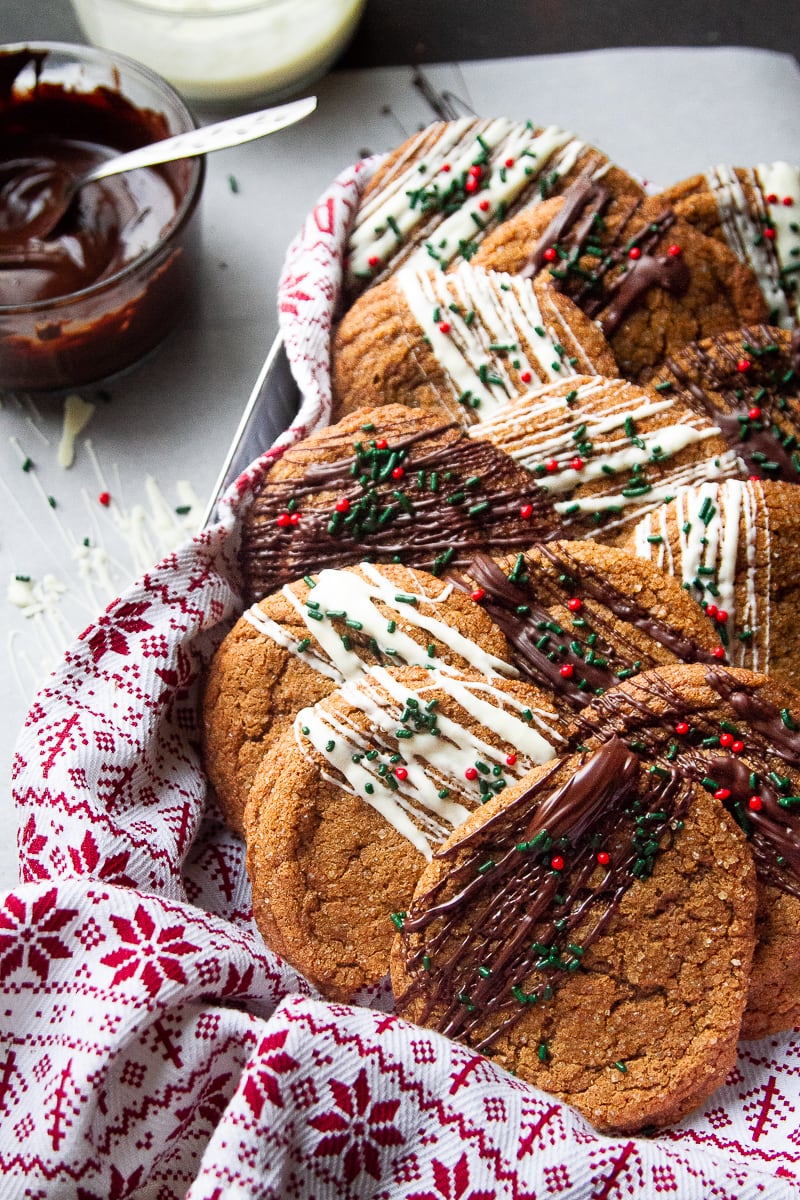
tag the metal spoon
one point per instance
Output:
(34, 196)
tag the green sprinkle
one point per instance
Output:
(397, 918)
(620, 1065)
(542, 1052)
(27, 464)
(787, 719)
(405, 598)
(330, 745)
(51, 500)
(369, 789)
(233, 184)
(303, 644)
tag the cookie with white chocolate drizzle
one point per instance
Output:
(467, 342)
(746, 381)
(737, 735)
(392, 484)
(607, 450)
(735, 548)
(580, 618)
(297, 645)
(435, 197)
(590, 930)
(649, 280)
(349, 805)
(756, 212)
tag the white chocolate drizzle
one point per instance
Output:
(743, 224)
(355, 594)
(436, 793)
(707, 539)
(476, 322)
(616, 419)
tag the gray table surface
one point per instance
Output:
(162, 435)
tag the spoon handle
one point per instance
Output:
(231, 132)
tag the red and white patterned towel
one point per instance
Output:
(153, 1048)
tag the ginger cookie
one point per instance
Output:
(755, 211)
(466, 342)
(580, 617)
(590, 930)
(735, 548)
(437, 195)
(347, 808)
(297, 645)
(391, 484)
(746, 381)
(736, 734)
(607, 450)
(650, 280)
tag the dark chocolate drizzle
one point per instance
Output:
(595, 666)
(615, 284)
(475, 505)
(708, 381)
(520, 919)
(646, 717)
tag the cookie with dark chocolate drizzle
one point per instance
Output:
(737, 735)
(580, 617)
(392, 484)
(650, 280)
(591, 931)
(747, 381)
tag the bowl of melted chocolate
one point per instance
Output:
(100, 289)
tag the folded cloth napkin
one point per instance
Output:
(152, 1047)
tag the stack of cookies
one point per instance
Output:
(510, 715)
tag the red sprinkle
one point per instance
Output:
(342, 504)
(737, 747)
(722, 793)
(471, 773)
(634, 252)
(373, 260)
(674, 251)
(754, 413)
(509, 162)
(105, 499)
(550, 254)
(381, 444)
(526, 512)
(743, 365)
(283, 519)
(551, 465)
(718, 652)
(478, 593)
(726, 740)
(475, 170)
(755, 803)
(472, 184)
(772, 198)
(575, 604)
(769, 233)
(682, 728)
(294, 518)
(445, 167)
(511, 759)
(557, 862)
(526, 377)
(712, 611)
(722, 615)
(567, 671)
(577, 463)
(401, 772)
(398, 472)
(603, 857)
(484, 206)
(444, 327)
(788, 201)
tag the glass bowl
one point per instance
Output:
(223, 51)
(99, 292)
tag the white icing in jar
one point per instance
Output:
(225, 50)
